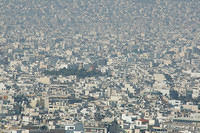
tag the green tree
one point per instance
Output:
(115, 128)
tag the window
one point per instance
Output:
(71, 128)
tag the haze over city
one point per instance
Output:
(100, 66)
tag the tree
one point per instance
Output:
(18, 108)
(99, 116)
(115, 128)
(44, 128)
(173, 94)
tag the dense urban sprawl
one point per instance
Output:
(100, 66)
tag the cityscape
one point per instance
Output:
(100, 66)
